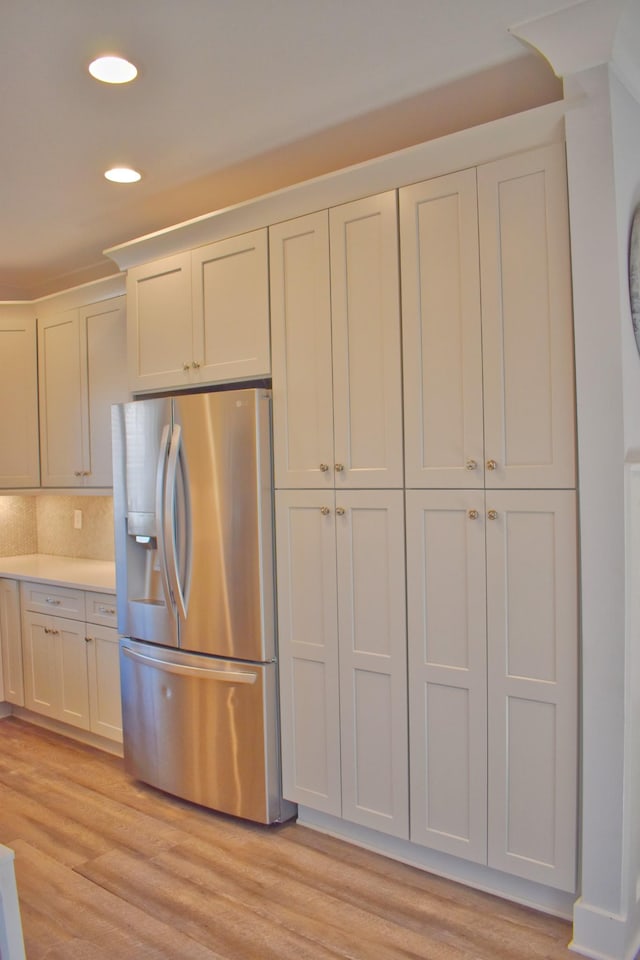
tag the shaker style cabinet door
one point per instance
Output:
(446, 587)
(308, 648)
(104, 681)
(441, 326)
(533, 684)
(11, 642)
(19, 453)
(64, 419)
(301, 339)
(230, 300)
(103, 328)
(159, 330)
(527, 331)
(367, 364)
(373, 659)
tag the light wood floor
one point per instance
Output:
(109, 869)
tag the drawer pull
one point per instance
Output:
(106, 611)
(53, 600)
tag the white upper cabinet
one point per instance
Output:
(301, 338)
(104, 341)
(82, 371)
(19, 452)
(201, 316)
(336, 347)
(517, 305)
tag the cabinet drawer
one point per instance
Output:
(58, 601)
(101, 609)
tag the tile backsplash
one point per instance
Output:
(45, 524)
(18, 527)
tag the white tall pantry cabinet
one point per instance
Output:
(492, 560)
(485, 472)
(337, 397)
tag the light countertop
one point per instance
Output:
(98, 575)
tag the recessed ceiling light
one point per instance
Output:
(123, 175)
(113, 70)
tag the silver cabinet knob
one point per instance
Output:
(339, 467)
(492, 514)
(340, 511)
(186, 365)
(324, 511)
(324, 467)
(471, 465)
(473, 514)
(195, 364)
(492, 465)
(88, 639)
(77, 473)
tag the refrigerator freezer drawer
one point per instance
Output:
(203, 729)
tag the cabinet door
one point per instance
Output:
(447, 671)
(19, 452)
(73, 672)
(301, 338)
(64, 426)
(103, 329)
(41, 665)
(308, 648)
(532, 629)
(159, 324)
(365, 308)
(373, 659)
(11, 642)
(104, 682)
(441, 333)
(230, 297)
(527, 320)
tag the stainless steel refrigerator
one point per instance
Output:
(194, 580)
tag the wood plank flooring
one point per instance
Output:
(109, 869)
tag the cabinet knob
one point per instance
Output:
(324, 467)
(492, 465)
(340, 511)
(471, 465)
(88, 639)
(324, 511)
(339, 467)
(77, 473)
(195, 364)
(186, 366)
(473, 514)
(492, 514)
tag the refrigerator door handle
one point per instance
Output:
(182, 670)
(176, 460)
(160, 530)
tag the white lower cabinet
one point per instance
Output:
(492, 624)
(11, 642)
(342, 635)
(71, 668)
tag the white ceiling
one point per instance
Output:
(220, 82)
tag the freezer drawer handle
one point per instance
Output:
(206, 673)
